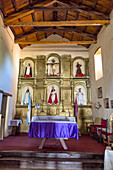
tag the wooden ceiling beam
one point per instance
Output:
(55, 42)
(60, 23)
(20, 20)
(47, 30)
(89, 10)
(25, 12)
(69, 8)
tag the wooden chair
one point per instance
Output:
(96, 129)
(108, 137)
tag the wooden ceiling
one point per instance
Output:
(77, 20)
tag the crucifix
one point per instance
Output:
(53, 66)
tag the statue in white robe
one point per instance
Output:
(80, 98)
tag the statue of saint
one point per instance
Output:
(27, 98)
(53, 99)
(28, 71)
(78, 72)
(80, 98)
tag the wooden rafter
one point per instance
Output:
(2, 8)
(55, 42)
(48, 30)
(87, 11)
(25, 12)
(60, 23)
(80, 2)
(85, 28)
(20, 20)
(94, 3)
(44, 6)
(44, 20)
(33, 18)
(14, 5)
(65, 18)
(76, 17)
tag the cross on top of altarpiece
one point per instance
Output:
(53, 62)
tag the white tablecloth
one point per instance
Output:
(108, 159)
(53, 118)
(15, 122)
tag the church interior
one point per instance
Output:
(56, 83)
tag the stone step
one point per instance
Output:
(40, 154)
(51, 160)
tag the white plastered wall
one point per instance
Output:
(73, 50)
(9, 66)
(105, 41)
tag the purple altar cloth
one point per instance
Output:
(53, 130)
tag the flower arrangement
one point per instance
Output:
(80, 75)
(53, 75)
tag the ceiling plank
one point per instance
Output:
(60, 23)
(34, 19)
(20, 20)
(27, 11)
(2, 8)
(89, 10)
(55, 42)
(44, 20)
(76, 18)
(85, 28)
(47, 30)
(65, 18)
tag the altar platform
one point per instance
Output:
(22, 142)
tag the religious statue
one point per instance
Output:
(27, 98)
(53, 99)
(80, 98)
(28, 71)
(79, 71)
(52, 68)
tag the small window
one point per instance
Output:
(98, 64)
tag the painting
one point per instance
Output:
(106, 102)
(100, 92)
(112, 104)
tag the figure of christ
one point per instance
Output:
(78, 68)
(27, 97)
(53, 99)
(28, 71)
(80, 98)
(53, 66)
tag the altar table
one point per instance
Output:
(53, 129)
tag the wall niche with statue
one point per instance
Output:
(55, 82)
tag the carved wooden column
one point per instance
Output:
(88, 91)
(87, 66)
(19, 91)
(35, 67)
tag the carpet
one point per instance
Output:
(23, 142)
